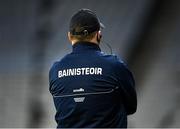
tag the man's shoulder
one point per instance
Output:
(57, 63)
(112, 58)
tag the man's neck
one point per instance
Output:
(91, 41)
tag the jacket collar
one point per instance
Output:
(85, 46)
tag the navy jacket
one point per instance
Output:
(91, 89)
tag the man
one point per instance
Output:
(91, 89)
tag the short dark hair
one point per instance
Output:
(87, 37)
(84, 25)
(84, 22)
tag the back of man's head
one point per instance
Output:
(84, 25)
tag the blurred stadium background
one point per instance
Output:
(33, 34)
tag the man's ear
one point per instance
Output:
(69, 37)
(99, 36)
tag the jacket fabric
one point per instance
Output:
(91, 89)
